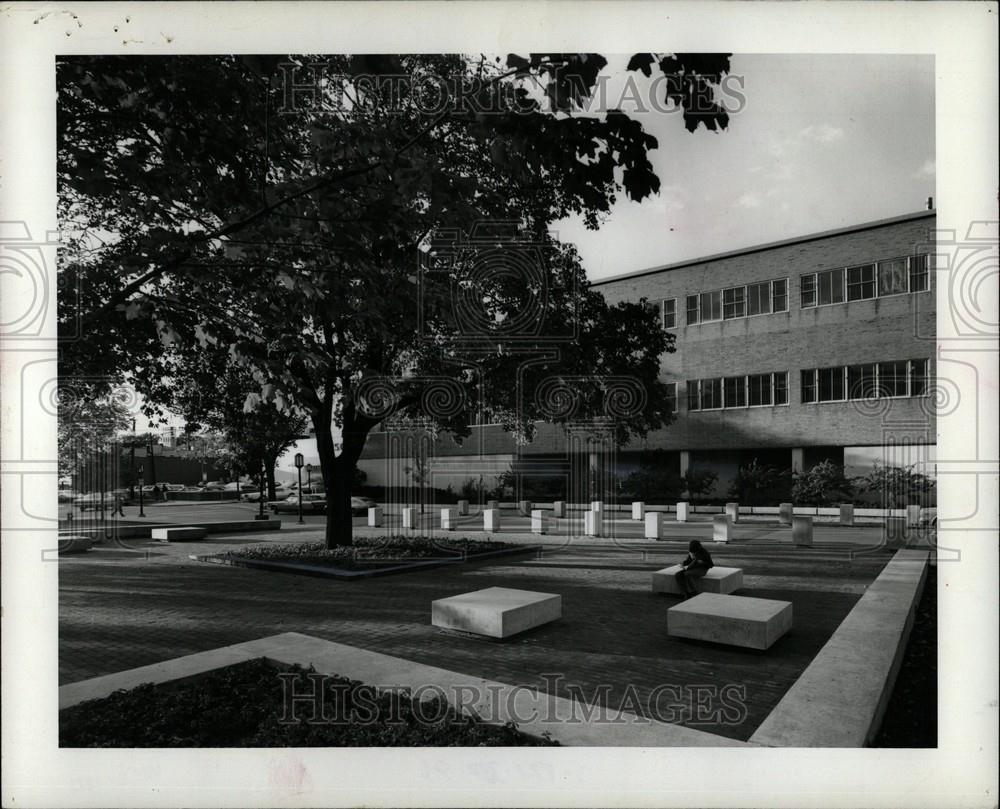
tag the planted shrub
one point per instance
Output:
(822, 485)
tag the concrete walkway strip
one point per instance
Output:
(840, 699)
(568, 721)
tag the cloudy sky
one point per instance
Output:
(823, 141)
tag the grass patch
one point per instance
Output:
(244, 705)
(367, 552)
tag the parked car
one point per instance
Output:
(360, 506)
(311, 504)
(67, 495)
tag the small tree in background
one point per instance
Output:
(898, 486)
(698, 482)
(758, 484)
(654, 480)
(822, 485)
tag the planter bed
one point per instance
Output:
(369, 556)
(242, 705)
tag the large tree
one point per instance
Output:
(324, 247)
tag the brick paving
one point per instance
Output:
(121, 608)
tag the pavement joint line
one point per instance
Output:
(496, 703)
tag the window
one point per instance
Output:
(892, 276)
(807, 290)
(736, 391)
(759, 299)
(781, 388)
(692, 309)
(694, 396)
(919, 377)
(669, 313)
(734, 302)
(831, 286)
(672, 397)
(711, 394)
(861, 382)
(779, 295)
(809, 386)
(918, 273)
(711, 305)
(892, 378)
(831, 384)
(861, 282)
(760, 389)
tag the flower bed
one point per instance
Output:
(368, 552)
(244, 705)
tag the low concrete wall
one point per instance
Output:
(146, 531)
(841, 697)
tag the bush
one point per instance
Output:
(759, 484)
(244, 705)
(899, 486)
(823, 485)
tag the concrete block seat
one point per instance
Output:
(496, 612)
(754, 623)
(179, 534)
(75, 544)
(720, 580)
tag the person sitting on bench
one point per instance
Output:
(693, 568)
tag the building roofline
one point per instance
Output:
(878, 223)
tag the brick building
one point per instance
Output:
(815, 347)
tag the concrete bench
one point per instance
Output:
(721, 580)
(179, 534)
(496, 612)
(755, 623)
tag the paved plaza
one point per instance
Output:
(123, 607)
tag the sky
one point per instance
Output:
(822, 141)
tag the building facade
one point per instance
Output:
(816, 347)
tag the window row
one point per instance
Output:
(866, 381)
(754, 390)
(866, 281)
(727, 304)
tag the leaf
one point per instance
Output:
(641, 62)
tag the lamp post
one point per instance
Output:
(140, 470)
(299, 461)
(260, 516)
(309, 476)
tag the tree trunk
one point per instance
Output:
(339, 529)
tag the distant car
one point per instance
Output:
(928, 516)
(173, 487)
(360, 506)
(67, 495)
(311, 504)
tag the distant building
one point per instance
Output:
(816, 347)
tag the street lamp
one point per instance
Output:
(140, 470)
(263, 473)
(299, 461)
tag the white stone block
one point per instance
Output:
(178, 534)
(785, 513)
(559, 509)
(912, 516)
(638, 511)
(721, 580)
(539, 522)
(682, 511)
(409, 518)
(755, 623)
(733, 511)
(593, 523)
(802, 530)
(375, 517)
(491, 520)
(463, 508)
(722, 528)
(847, 514)
(654, 525)
(496, 612)
(449, 517)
